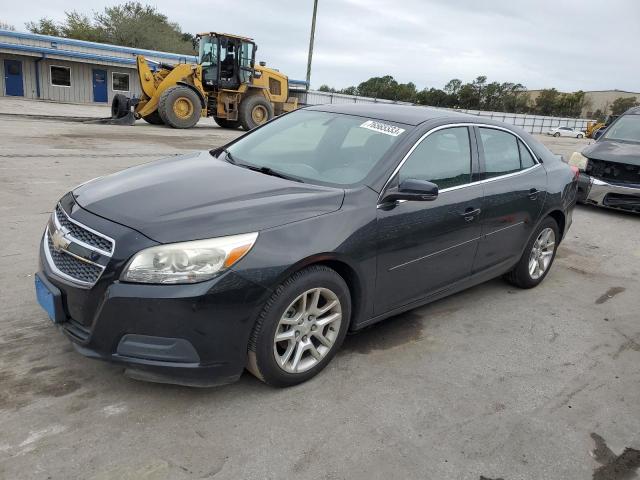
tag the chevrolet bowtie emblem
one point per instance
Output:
(59, 240)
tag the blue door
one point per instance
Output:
(99, 85)
(13, 83)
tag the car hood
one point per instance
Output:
(614, 151)
(198, 196)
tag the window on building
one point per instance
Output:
(60, 76)
(120, 81)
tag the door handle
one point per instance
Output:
(533, 193)
(470, 213)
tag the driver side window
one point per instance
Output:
(443, 158)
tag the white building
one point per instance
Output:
(66, 70)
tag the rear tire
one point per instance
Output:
(254, 111)
(224, 123)
(526, 273)
(119, 106)
(580, 135)
(153, 118)
(293, 338)
(179, 107)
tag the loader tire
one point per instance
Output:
(255, 111)
(153, 118)
(179, 107)
(224, 123)
(119, 106)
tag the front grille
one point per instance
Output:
(73, 267)
(83, 234)
(614, 172)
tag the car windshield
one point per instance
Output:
(318, 147)
(627, 129)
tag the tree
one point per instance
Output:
(326, 88)
(44, 26)
(130, 24)
(479, 87)
(570, 104)
(6, 26)
(453, 86)
(599, 116)
(135, 25)
(622, 104)
(349, 91)
(468, 97)
(436, 98)
(546, 101)
(78, 25)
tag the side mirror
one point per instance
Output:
(412, 189)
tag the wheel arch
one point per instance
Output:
(559, 217)
(342, 267)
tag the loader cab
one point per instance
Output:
(227, 61)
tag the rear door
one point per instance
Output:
(515, 186)
(424, 246)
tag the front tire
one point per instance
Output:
(580, 135)
(300, 328)
(179, 107)
(557, 134)
(538, 256)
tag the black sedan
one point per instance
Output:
(264, 253)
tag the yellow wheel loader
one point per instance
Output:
(225, 84)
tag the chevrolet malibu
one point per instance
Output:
(265, 252)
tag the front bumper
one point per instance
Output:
(603, 194)
(194, 335)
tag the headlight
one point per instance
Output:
(187, 262)
(578, 160)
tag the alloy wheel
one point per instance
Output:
(307, 330)
(542, 253)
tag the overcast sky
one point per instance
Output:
(567, 44)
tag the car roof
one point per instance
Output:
(633, 111)
(407, 114)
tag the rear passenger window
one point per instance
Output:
(501, 152)
(526, 160)
(444, 158)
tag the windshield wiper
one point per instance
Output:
(255, 168)
(269, 171)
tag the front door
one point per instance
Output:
(13, 82)
(424, 246)
(100, 93)
(514, 192)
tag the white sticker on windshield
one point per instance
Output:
(382, 128)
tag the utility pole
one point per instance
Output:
(313, 32)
